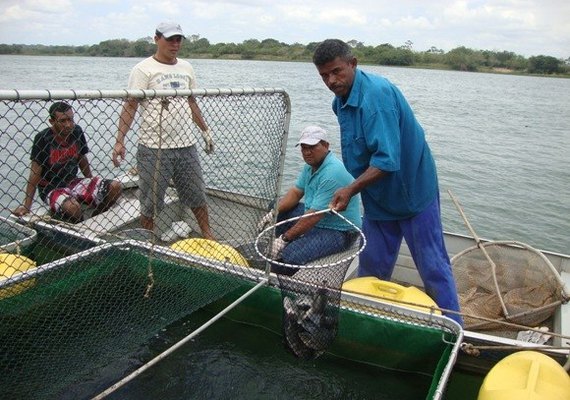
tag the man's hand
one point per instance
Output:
(277, 248)
(21, 211)
(118, 153)
(208, 142)
(265, 221)
(340, 199)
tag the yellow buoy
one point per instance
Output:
(11, 266)
(526, 375)
(210, 249)
(391, 292)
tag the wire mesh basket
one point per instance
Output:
(523, 287)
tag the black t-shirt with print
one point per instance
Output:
(58, 158)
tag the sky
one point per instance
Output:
(525, 27)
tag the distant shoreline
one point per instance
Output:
(229, 57)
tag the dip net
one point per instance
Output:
(520, 286)
(502, 284)
(310, 291)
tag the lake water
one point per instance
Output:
(501, 142)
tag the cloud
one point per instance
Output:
(34, 10)
(526, 27)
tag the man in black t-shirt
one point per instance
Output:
(58, 153)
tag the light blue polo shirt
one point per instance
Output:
(319, 187)
(378, 128)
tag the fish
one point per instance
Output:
(308, 330)
(319, 328)
(292, 329)
(312, 319)
(318, 344)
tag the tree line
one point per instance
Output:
(460, 58)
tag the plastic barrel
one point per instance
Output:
(390, 292)
(11, 266)
(526, 375)
(210, 249)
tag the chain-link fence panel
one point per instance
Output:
(81, 288)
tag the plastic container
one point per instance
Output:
(210, 249)
(13, 270)
(391, 292)
(526, 375)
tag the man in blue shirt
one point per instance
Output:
(384, 148)
(322, 234)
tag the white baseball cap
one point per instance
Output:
(168, 29)
(312, 135)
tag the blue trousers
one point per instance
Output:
(424, 236)
(316, 243)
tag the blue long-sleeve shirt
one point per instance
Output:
(378, 128)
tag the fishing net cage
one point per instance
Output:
(83, 321)
(506, 281)
(310, 275)
(81, 301)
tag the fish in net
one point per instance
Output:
(311, 290)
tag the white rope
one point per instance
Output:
(163, 104)
(270, 230)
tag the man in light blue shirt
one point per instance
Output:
(322, 234)
(385, 150)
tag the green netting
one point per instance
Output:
(235, 360)
(384, 337)
(85, 294)
(68, 325)
(86, 312)
(395, 345)
(95, 295)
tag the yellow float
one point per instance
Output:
(11, 266)
(391, 292)
(210, 249)
(526, 375)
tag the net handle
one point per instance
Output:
(480, 246)
(282, 264)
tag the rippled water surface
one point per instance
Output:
(501, 142)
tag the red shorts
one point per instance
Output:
(89, 191)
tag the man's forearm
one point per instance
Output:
(30, 193)
(126, 119)
(197, 114)
(33, 181)
(289, 200)
(302, 226)
(85, 167)
(369, 176)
